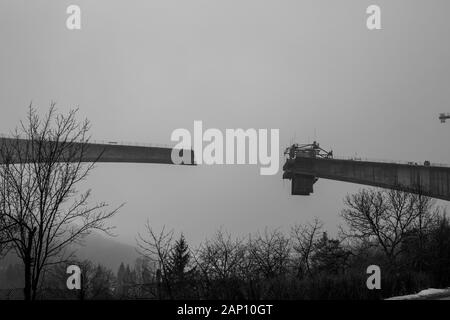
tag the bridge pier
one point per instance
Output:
(302, 184)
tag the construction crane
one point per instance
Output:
(444, 116)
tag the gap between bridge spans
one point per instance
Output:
(229, 148)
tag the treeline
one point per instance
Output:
(406, 235)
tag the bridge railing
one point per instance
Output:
(411, 163)
(129, 143)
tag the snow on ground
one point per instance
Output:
(424, 294)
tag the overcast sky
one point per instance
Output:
(140, 69)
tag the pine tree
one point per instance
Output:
(330, 256)
(180, 259)
(121, 279)
(120, 273)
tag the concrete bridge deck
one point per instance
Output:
(432, 181)
(102, 152)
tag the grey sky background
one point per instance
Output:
(140, 69)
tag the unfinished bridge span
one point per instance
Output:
(305, 164)
(18, 150)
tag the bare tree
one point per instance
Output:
(222, 263)
(41, 211)
(222, 257)
(145, 274)
(385, 217)
(4, 243)
(157, 247)
(270, 252)
(304, 240)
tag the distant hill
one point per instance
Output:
(98, 249)
(107, 251)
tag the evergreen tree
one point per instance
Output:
(121, 279)
(180, 259)
(330, 256)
